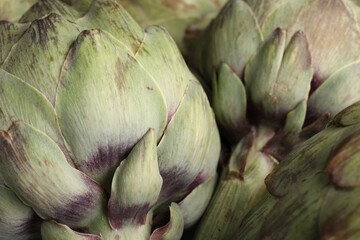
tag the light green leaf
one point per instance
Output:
(136, 184)
(35, 168)
(106, 109)
(339, 91)
(173, 229)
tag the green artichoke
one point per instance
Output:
(314, 192)
(277, 72)
(105, 131)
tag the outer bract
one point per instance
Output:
(277, 71)
(314, 192)
(104, 128)
(184, 19)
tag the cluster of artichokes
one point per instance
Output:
(106, 134)
(104, 129)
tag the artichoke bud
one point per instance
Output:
(316, 20)
(229, 103)
(278, 78)
(130, 203)
(233, 37)
(348, 116)
(173, 229)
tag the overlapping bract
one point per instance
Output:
(278, 71)
(91, 106)
(313, 193)
(284, 52)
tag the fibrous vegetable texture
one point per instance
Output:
(105, 133)
(314, 192)
(277, 73)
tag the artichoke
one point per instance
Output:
(314, 192)
(106, 134)
(276, 73)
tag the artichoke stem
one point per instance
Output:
(240, 187)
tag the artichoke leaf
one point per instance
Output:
(233, 38)
(136, 184)
(305, 161)
(285, 76)
(112, 18)
(253, 222)
(263, 9)
(173, 229)
(43, 7)
(20, 101)
(182, 155)
(41, 52)
(268, 59)
(344, 86)
(51, 230)
(35, 168)
(229, 102)
(292, 84)
(295, 215)
(212, 152)
(171, 74)
(102, 126)
(318, 19)
(348, 116)
(193, 205)
(294, 122)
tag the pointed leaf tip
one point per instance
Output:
(130, 203)
(173, 230)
